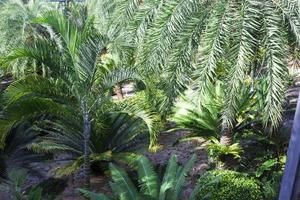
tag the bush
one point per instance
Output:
(228, 185)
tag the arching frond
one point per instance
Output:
(213, 44)
(170, 19)
(290, 9)
(241, 54)
(275, 64)
(178, 67)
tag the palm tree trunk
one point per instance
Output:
(86, 149)
(226, 140)
(226, 137)
(118, 91)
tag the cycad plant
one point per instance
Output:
(113, 140)
(200, 119)
(149, 185)
(74, 86)
(204, 118)
(15, 155)
(186, 41)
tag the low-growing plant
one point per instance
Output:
(15, 155)
(220, 153)
(230, 185)
(201, 118)
(149, 185)
(14, 187)
(270, 173)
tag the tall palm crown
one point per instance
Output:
(75, 87)
(200, 41)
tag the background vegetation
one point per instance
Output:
(221, 71)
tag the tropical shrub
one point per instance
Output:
(14, 187)
(200, 116)
(15, 155)
(221, 154)
(264, 158)
(51, 188)
(114, 140)
(270, 174)
(149, 185)
(74, 96)
(230, 185)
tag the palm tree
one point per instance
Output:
(191, 41)
(70, 50)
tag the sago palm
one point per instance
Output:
(15, 155)
(204, 119)
(69, 48)
(188, 41)
(113, 138)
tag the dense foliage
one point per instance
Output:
(229, 185)
(150, 187)
(216, 70)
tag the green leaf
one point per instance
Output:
(121, 179)
(147, 178)
(93, 195)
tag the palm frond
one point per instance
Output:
(148, 118)
(215, 40)
(170, 20)
(14, 153)
(275, 65)
(116, 76)
(179, 63)
(242, 52)
(290, 9)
